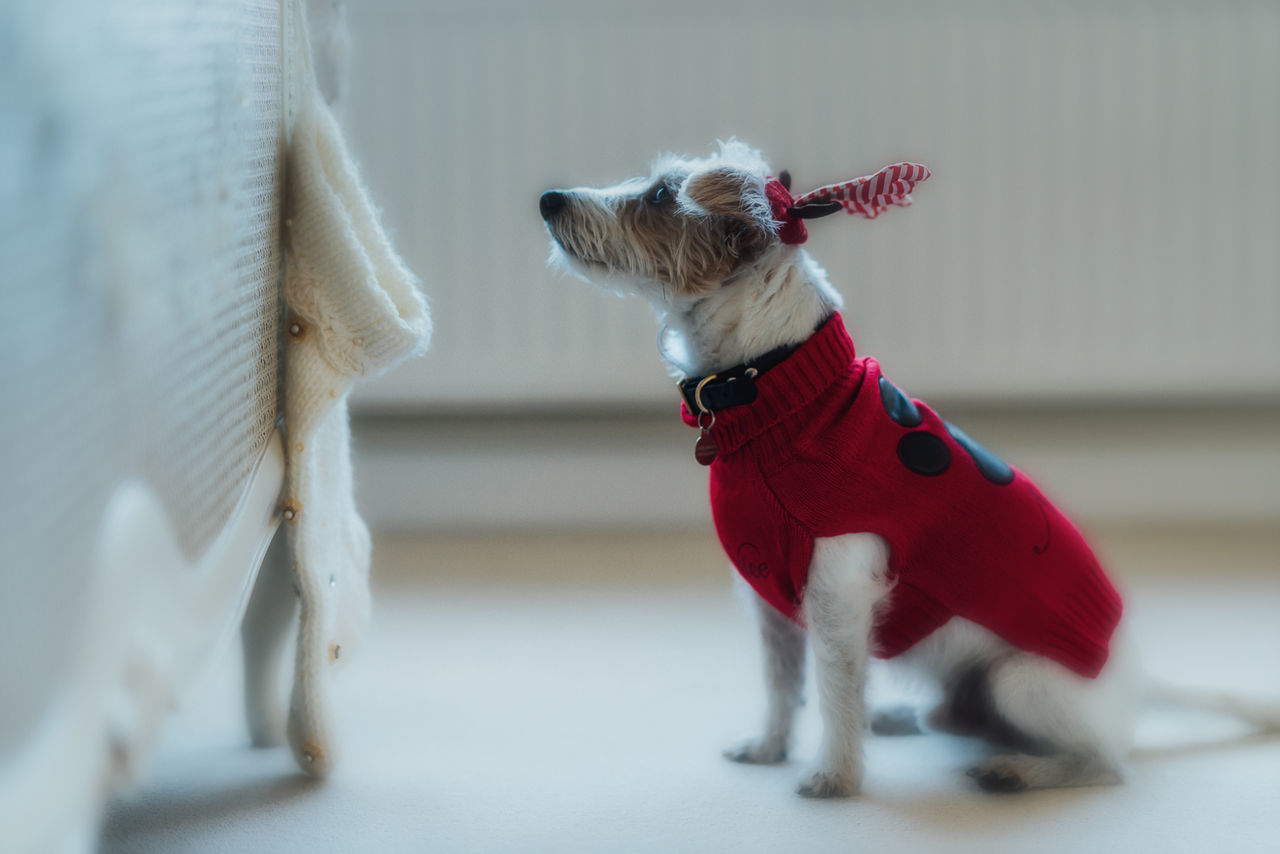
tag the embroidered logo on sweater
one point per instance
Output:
(752, 562)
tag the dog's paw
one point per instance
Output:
(998, 775)
(896, 720)
(758, 751)
(828, 784)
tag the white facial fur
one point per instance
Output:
(696, 238)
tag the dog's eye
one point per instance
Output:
(658, 195)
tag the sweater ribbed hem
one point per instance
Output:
(1092, 612)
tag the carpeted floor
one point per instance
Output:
(572, 693)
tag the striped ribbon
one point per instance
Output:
(871, 195)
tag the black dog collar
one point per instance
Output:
(733, 387)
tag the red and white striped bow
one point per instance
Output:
(868, 196)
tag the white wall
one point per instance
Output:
(1101, 223)
(1088, 284)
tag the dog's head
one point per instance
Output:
(678, 234)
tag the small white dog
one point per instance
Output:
(853, 511)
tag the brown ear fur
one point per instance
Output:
(736, 195)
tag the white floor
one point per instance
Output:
(572, 693)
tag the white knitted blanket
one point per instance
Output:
(353, 311)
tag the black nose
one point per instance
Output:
(551, 203)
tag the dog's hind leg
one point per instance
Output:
(1082, 727)
(784, 646)
(847, 580)
(1016, 772)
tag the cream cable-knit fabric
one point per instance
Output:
(354, 311)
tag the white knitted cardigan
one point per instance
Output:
(353, 311)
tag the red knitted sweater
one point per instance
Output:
(830, 447)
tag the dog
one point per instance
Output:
(864, 522)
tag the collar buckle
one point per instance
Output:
(720, 391)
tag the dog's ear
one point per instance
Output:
(737, 198)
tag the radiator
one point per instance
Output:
(1101, 225)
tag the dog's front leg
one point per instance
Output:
(783, 643)
(847, 580)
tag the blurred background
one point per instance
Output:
(1089, 285)
(1090, 282)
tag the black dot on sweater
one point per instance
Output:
(924, 453)
(899, 407)
(989, 465)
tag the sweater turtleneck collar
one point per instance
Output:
(786, 388)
